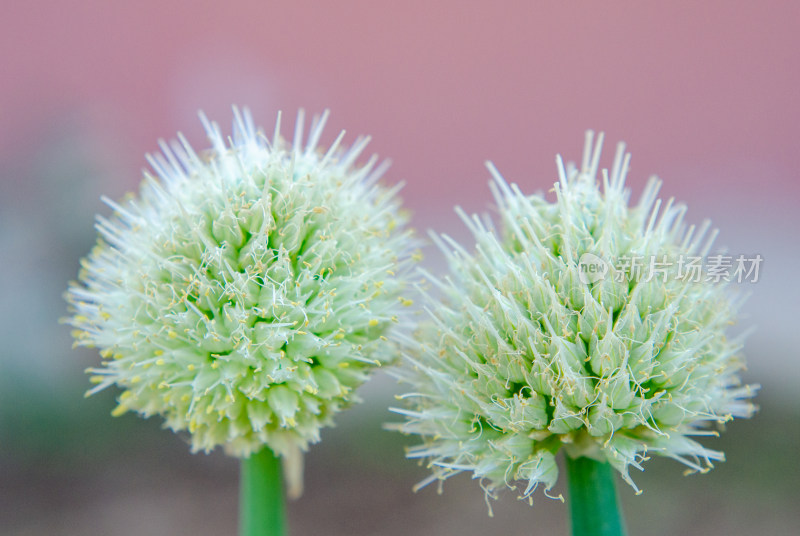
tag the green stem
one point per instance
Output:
(261, 506)
(593, 499)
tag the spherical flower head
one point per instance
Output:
(248, 290)
(531, 351)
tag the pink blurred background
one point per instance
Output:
(705, 94)
(441, 86)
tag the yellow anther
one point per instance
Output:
(373, 322)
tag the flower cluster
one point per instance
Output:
(248, 290)
(526, 355)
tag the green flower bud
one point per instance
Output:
(247, 291)
(542, 342)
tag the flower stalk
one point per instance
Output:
(594, 508)
(262, 510)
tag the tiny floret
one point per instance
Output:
(557, 333)
(248, 290)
